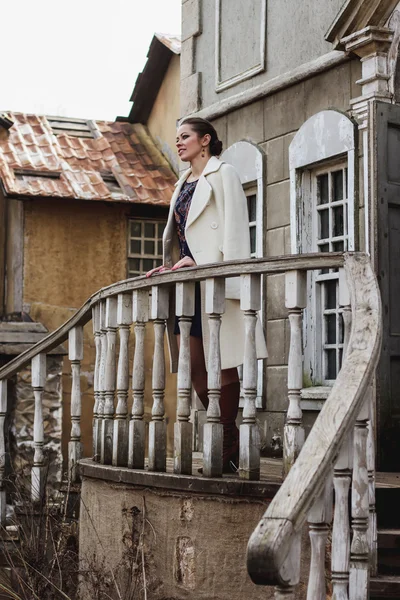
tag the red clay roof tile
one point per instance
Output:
(122, 148)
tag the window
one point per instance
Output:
(329, 190)
(28, 176)
(111, 182)
(144, 246)
(322, 161)
(74, 127)
(251, 195)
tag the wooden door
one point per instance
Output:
(388, 272)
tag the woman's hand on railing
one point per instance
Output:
(157, 270)
(186, 261)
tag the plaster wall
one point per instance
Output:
(194, 546)
(294, 36)
(166, 112)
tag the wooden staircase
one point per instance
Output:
(387, 582)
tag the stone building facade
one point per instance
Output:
(296, 88)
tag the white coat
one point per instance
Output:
(217, 229)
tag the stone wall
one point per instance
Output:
(294, 35)
(194, 545)
(21, 422)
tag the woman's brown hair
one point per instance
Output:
(203, 127)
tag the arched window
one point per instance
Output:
(248, 161)
(322, 162)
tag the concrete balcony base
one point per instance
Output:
(178, 536)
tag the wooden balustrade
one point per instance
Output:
(344, 417)
(136, 449)
(342, 437)
(38, 468)
(75, 354)
(359, 549)
(372, 524)
(96, 378)
(102, 379)
(319, 519)
(295, 301)
(121, 431)
(342, 474)
(109, 381)
(249, 450)
(213, 430)
(158, 427)
(3, 413)
(183, 429)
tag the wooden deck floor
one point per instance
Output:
(271, 470)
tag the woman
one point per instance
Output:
(208, 222)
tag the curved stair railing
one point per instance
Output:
(119, 439)
(338, 453)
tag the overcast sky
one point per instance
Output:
(78, 58)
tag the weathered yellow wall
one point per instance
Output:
(166, 111)
(71, 250)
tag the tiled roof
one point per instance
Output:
(36, 162)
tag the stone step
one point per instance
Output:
(389, 551)
(384, 586)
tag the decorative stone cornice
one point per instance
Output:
(367, 41)
(371, 45)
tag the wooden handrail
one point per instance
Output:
(271, 266)
(272, 539)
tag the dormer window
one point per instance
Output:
(29, 175)
(111, 182)
(74, 127)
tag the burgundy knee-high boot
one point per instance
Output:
(229, 405)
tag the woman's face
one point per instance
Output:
(188, 143)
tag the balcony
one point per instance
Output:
(153, 519)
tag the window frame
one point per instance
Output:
(311, 152)
(142, 238)
(317, 278)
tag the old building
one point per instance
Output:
(305, 98)
(299, 109)
(83, 204)
(156, 95)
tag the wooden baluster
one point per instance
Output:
(319, 519)
(109, 380)
(96, 382)
(342, 475)
(75, 354)
(121, 424)
(359, 551)
(102, 375)
(183, 428)
(341, 522)
(372, 525)
(38, 469)
(250, 303)
(295, 301)
(290, 571)
(140, 314)
(3, 412)
(158, 426)
(213, 429)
